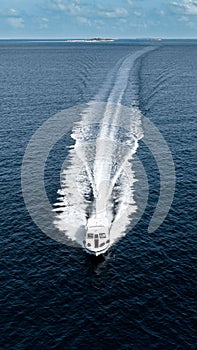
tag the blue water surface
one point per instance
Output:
(53, 296)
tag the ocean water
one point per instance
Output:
(142, 295)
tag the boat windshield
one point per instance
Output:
(102, 235)
(90, 235)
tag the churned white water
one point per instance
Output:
(97, 179)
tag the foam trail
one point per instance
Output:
(98, 179)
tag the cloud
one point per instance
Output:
(183, 19)
(84, 20)
(16, 22)
(187, 21)
(9, 13)
(137, 13)
(13, 12)
(123, 20)
(71, 7)
(130, 3)
(133, 3)
(44, 23)
(188, 7)
(117, 13)
(86, 11)
(13, 18)
(99, 22)
(138, 25)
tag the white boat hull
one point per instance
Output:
(97, 240)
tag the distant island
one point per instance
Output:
(156, 39)
(93, 40)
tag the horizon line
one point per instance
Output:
(106, 37)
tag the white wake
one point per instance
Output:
(97, 181)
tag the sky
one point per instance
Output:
(103, 18)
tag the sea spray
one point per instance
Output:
(98, 180)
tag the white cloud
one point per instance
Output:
(58, 5)
(137, 13)
(44, 23)
(87, 13)
(123, 20)
(84, 20)
(183, 19)
(189, 7)
(117, 13)
(130, 3)
(16, 22)
(71, 7)
(13, 12)
(99, 22)
(138, 25)
(187, 21)
(9, 13)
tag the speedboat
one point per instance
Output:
(97, 240)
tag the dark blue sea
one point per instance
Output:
(142, 294)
